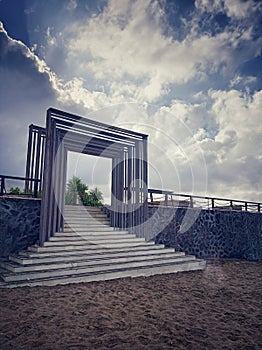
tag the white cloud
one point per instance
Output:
(127, 44)
(239, 8)
(71, 5)
(237, 147)
(246, 81)
(236, 9)
(50, 38)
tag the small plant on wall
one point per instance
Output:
(78, 191)
(15, 191)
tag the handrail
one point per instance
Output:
(21, 178)
(234, 204)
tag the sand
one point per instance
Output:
(219, 308)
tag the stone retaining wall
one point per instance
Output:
(208, 233)
(19, 224)
(204, 233)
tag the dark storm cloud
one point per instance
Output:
(26, 91)
(21, 74)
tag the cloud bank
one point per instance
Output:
(132, 65)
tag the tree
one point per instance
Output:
(96, 197)
(76, 189)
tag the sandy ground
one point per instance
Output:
(219, 308)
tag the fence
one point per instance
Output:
(171, 199)
(32, 193)
(158, 198)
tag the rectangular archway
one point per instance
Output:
(128, 151)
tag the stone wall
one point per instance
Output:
(208, 233)
(204, 233)
(19, 224)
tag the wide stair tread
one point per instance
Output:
(152, 267)
(27, 258)
(90, 261)
(94, 249)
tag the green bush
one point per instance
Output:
(15, 190)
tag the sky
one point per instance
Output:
(187, 73)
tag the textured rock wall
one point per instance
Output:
(19, 224)
(204, 233)
(209, 233)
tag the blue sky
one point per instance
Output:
(188, 73)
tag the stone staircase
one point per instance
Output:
(90, 250)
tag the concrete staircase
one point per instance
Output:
(90, 250)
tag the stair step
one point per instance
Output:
(85, 215)
(87, 222)
(90, 262)
(95, 239)
(94, 228)
(169, 264)
(74, 237)
(71, 246)
(110, 275)
(38, 258)
(92, 249)
(109, 234)
(88, 208)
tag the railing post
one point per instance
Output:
(258, 207)
(213, 203)
(245, 206)
(2, 185)
(151, 197)
(166, 200)
(191, 202)
(35, 188)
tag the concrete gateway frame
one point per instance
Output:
(128, 150)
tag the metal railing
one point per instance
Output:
(34, 193)
(172, 199)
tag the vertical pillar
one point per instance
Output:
(28, 158)
(113, 193)
(129, 189)
(48, 194)
(32, 164)
(37, 159)
(43, 140)
(145, 185)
